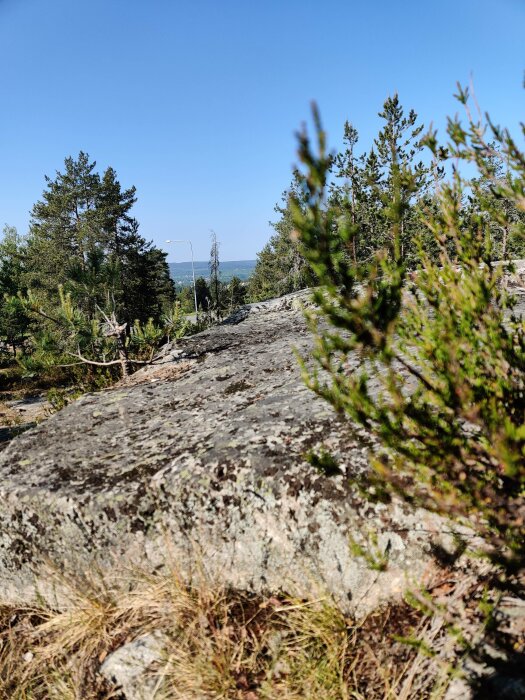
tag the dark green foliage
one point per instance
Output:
(280, 267)
(83, 237)
(70, 336)
(203, 293)
(66, 226)
(505, 220)
(186, 299)
(234, 294)
(363, 200)
(431, 362)
(11, 261)
(145, 287)
(14, 321)
(89, 290)
(364, 193)
(324, 462)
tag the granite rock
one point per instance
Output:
(201, 459)
(132, 667)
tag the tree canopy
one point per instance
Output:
(367, 189)
(84, 283)
(82, 236)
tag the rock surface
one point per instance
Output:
(129, 665)
(18, 415)
(200, 460)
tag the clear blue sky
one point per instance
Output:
(196, 102)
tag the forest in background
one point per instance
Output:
(181, 272)
(360, 189)
(85, 299)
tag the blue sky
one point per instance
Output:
(196, 103)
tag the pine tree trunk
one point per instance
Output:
(123, 355)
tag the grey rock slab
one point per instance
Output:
(132, 667)
(201, 459)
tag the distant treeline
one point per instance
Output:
(181, 272)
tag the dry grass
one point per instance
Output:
(217, 643)
(8, 416)
(156, 373)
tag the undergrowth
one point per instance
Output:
(217, 643)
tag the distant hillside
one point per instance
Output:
(181, 272)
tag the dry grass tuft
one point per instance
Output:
(217, 643)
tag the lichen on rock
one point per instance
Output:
(201, 459)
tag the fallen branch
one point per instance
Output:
(84, 360)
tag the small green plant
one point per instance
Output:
(59, 398)
(375, 557)
(323, 461)
(175, 323)
(145, 338)
(68, 336)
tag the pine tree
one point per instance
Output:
(202, 291)
(14, 321)
(114, 207)
(83, 236)
(235, 294)
(215, 283)
(144, 286)
(348, 193)
(360, 189)
(64, 227)
(403, 179)
(280, 267)
(506, 221)
(363, 187)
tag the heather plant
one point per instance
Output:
(431, 361)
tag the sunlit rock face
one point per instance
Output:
(199, 462)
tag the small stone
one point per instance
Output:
(131, 666)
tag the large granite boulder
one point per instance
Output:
(200, 460)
